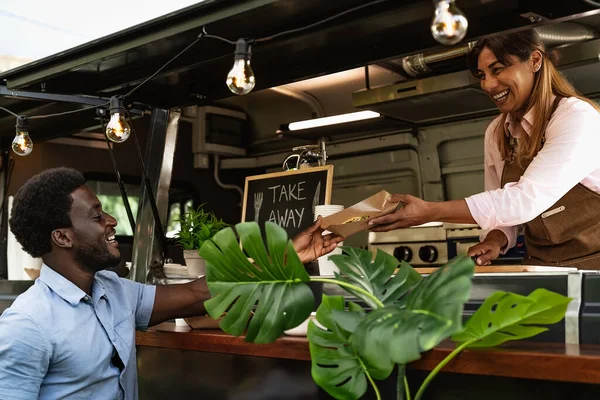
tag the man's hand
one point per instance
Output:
(489, 249)
(413, 212)
(310, 244)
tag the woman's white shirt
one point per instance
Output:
(571, 155)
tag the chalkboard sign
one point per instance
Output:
(287, 198)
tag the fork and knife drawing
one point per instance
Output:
(258, 200)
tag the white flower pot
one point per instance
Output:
(196, 265)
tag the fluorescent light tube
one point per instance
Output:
(335, 119)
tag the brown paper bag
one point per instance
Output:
(372, 207)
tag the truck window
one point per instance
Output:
(109, 195)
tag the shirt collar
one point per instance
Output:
(98, 289)
(61, 285)
(512, 127)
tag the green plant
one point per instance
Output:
(410, 314)
(196, 227)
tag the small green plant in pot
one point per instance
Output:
(196, 227)
(354, 348)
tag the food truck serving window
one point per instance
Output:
(112, 202)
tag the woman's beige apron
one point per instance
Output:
(568, 233)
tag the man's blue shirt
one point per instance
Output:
(57, 342)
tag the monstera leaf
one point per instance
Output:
(442, 296)
(508, 316)
(357, 268)
(427, 315)
(275, 282)
(336, 366)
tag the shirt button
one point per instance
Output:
(86, 298)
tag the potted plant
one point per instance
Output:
(353, 348)
(196, 227)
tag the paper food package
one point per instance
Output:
(375, 206)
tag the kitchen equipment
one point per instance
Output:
(435, 243)
(423, 245)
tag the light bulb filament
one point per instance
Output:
(22, 144)
(449, 24)
(117, 129)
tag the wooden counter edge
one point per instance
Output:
(216, 341)
(530, 360)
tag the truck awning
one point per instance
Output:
(115, 63)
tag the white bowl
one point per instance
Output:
(301, 329)
(172, 270)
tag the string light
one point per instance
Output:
(240, 79)
(117, 129)
(449, 24)
(22, 144)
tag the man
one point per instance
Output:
(72, 334)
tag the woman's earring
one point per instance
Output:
(536, 68)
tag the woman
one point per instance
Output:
(542, 168)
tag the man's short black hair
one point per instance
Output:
(42, 205)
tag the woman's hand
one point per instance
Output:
(413, 211)
(488, 250)
(310, 244)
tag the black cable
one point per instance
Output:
(119, 180)
(205, 34)
(159, 231)
(364, 5)
(8, 111)
(219, 38)
(67, 112)
(163, 67)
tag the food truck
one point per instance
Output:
(404, 115)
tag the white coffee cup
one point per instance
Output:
(326, 266)
(325, 211)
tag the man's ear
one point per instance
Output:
(62, 238)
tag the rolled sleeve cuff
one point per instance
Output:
(482, 209)
(145, 306)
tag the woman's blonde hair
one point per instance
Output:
(548, 81)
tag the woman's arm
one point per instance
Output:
(415, 211)
(568, 156)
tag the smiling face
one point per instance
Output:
(509, 86)
(94, 232)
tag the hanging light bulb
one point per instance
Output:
(117, 129)
(22, 144)
(449, 25)
(240, 79)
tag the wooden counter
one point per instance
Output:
(532, 360)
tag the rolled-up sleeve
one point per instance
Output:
(143, 297)
(24, 357)
(568, 156)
